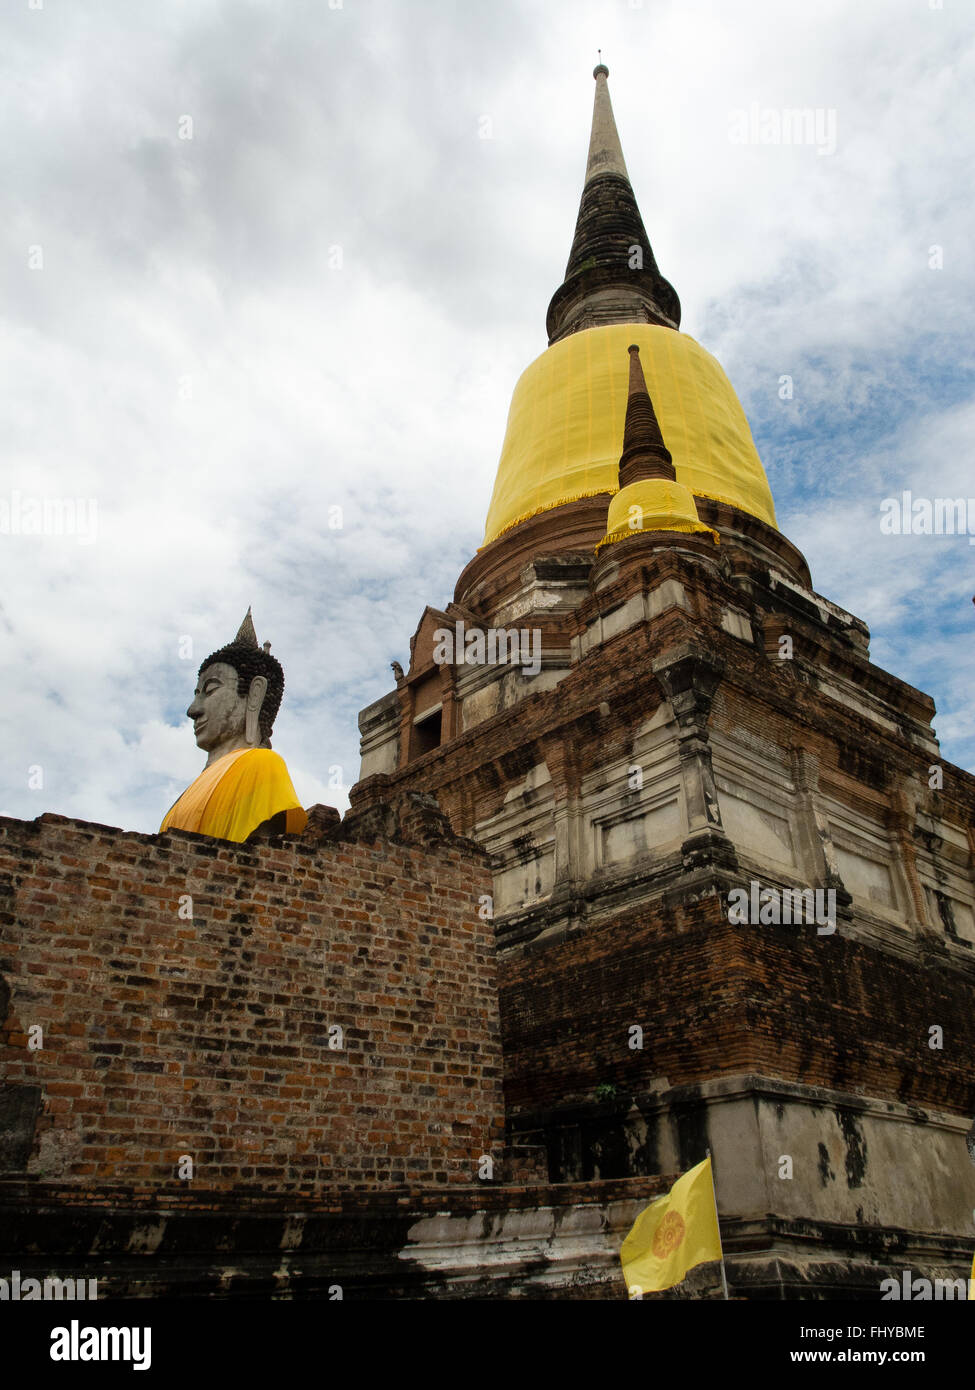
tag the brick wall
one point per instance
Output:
(186, 989)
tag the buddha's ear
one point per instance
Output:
(255, 699)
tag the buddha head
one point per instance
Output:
(238, 694)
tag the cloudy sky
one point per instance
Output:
(272, 265)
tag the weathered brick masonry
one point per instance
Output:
(714, 998)
(186, 990)
(469, 1242)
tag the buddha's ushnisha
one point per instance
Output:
(245, 787)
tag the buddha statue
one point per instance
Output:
(244, 787)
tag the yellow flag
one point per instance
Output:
(675, 1233)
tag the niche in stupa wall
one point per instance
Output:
(764, 833)
(524, 873)
(638, 608)
(382, 755)
(943, 866)
(480, 704)
(743, 752)
(521, 839)
(633, 806)
(653, 830)
(950, 912)
(500, 688)
(943, 846)
(866, 876)
(757, 797)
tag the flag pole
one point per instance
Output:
(717, 1222)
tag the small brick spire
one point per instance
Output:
(645, 455)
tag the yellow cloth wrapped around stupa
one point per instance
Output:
(567, 417)
(236, 794)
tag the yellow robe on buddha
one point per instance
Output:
(236, 794)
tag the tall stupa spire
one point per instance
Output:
(605, 150)
(611, 276)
